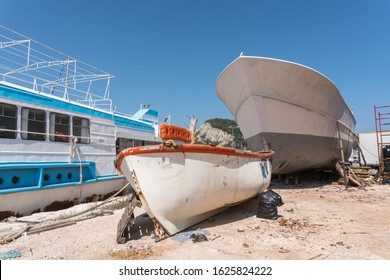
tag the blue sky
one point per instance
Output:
(169, 53)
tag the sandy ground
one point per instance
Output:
(317, 221)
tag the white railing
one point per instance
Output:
(32, 65)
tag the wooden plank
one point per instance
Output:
(127, 220)
(347, 177)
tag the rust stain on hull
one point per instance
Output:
(59, 205)
(6, 214)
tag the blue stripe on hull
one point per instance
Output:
(22, 177)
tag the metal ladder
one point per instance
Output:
(382, 126)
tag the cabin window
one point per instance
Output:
(81, 130)
(59, 127)
(33, 124)
(8, 121)
(137, 143)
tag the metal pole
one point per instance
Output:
(377, 139)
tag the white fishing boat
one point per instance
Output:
(289, 108)
(180, 185)
(59, 132)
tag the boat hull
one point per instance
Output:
(289, 108)
(180, 188)
(25, 203)
(303, 152)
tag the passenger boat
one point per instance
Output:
(289, 108)
(59, 132)
(180, 185)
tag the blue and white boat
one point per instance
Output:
(59, 133)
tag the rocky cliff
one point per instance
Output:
(220, 132)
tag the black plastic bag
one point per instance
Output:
(267, 211)
(268, 203)
(270, 197)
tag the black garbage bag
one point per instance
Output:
(268, 205)
(267, 211)
(270, 197)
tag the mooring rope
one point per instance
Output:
(74, 150)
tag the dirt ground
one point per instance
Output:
(317, 221)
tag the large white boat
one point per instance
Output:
(289, 108)
(180, 185)
(59, 132)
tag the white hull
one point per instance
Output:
(182, 188)
(43, 200)
(289, 108)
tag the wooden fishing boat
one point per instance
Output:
(180, 185)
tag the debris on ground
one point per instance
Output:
(198, 237)
(10, 255)
(294, 224)
(283, 250)
(133, 253)
(187, 235)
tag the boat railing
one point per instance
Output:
(100, 138)
(41, 69)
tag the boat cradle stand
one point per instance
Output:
(354, 175)
(127, 219)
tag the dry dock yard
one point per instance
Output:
(317, 221)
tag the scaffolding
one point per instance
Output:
(382, 126)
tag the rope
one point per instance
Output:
(169, 144)
(62, 221)
(99, 205)
(73, 151)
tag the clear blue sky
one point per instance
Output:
(170, 53)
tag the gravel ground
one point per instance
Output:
(317, 221)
